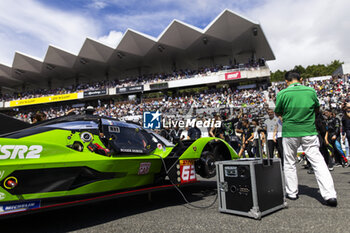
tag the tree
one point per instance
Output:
(309, 72)
(300, 69)
(334, 65)
(278, 75)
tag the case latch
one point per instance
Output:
(223, 186)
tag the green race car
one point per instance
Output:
(79, 158)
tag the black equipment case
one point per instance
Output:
(250, 187)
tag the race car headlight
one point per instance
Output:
(10, 182)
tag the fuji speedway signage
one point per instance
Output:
(95, 93)
(233, 75)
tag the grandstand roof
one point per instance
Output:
(228, 35)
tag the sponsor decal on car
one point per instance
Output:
(144, 168)
(2, 174)
(18, 207)
(20, 151)
(161, 147)
(2, 196)
(131, 150)
(187, 171)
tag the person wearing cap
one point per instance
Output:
(89, 110)
(297, 105)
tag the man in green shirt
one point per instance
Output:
(297, 105)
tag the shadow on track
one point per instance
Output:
(84, 216)
(311, 192)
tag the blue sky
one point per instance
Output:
(299, 31)
(150, 17)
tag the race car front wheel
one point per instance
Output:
(205, 166)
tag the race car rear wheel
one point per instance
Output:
(205, 166)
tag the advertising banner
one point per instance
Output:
(233, 75)
(158, 86)
(95, 93)
(44, 99)
(123, 90)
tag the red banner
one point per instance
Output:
(233, 75)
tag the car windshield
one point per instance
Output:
(160, 138)
(128, 138)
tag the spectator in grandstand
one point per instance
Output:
(72, 111)
(89, 110)
(299, 129)
(39, 116)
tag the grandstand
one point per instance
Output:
(230, 52)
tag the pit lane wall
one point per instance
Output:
(216, 77)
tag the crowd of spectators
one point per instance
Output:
(254, 102)
(201, 104)
(243, 110)
(130, 81)
(330, 92)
